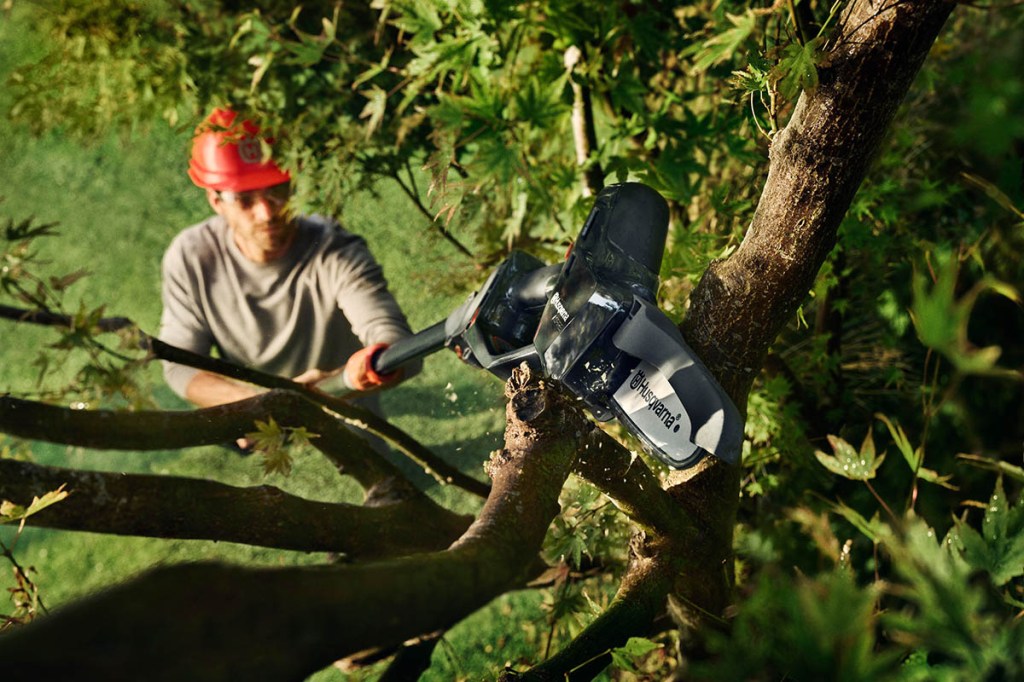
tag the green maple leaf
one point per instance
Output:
(625, 657)
(941, 319)
(798, 67)
(270, 440)
(914, 456)
(12, 512)
(720, 47)
(848, 462)
(873, 529)
(999, 548)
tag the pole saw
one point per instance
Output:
(592, 324)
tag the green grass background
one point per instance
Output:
(119, 201)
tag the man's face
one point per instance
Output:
(259, 222)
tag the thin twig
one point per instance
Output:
(441, 228)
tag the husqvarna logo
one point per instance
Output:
(639, 384)
(249, 150)
(556, 301)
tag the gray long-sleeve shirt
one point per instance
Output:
(325, 299)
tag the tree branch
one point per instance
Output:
(306, 618)
(198, 509)
(351, 414)
(360, 418)
(414, 197)
(817, 163)
(584, 131)
(152, 430)
(635, 489)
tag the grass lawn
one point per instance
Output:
(119, 201)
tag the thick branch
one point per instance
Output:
(351, 414)
(363, 419)
(817, 163)
(197, 509)
(151, 430)
(305, 618)
(635, 489)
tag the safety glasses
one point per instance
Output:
(276, 196)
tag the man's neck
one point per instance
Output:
(263, 253)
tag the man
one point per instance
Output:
(295, 296)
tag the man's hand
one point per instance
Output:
(360, 374)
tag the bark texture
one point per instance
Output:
(198, 509)
(206, 622)
(212, 622)
(818, 162)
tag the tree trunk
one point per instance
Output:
(818, 161)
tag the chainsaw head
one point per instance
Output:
(592, 324)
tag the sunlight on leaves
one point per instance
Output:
(722, 46)
(874, 529)
(270, 440)
(10, 512)
(797, 69)
(625, 657)
(914, 457)
(850, 463)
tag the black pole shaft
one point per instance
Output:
(412, 347)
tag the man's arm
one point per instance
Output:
(375, 316)
(182, 325)
(206, 389)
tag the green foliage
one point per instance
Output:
(941, 319)
(105, 375)
(16, 449)
(965, 630)
(482, 91)
(723, 46)
(933, 618)
(805, 629)
(797, 68)
(999, 548)
(588, 542)
(626, 657)
(589, 528)
(24, 595)
(914, 457)
(10, 512)
(850, 463)
(276, 444)
(841, 571)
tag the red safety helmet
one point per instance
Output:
(228, 156)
